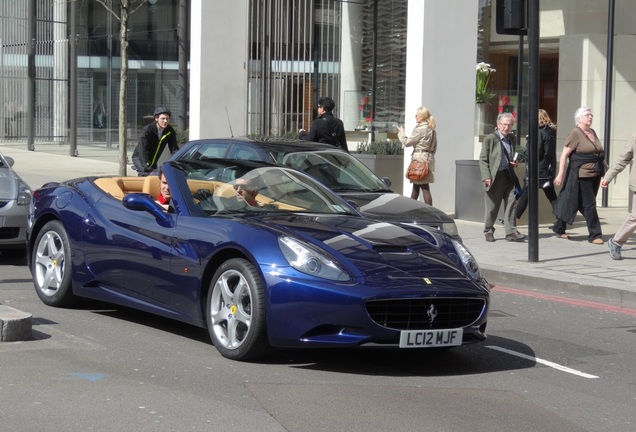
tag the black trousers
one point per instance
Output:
(522, 203)
(588, 187)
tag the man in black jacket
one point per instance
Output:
(153, 141)
(326, 128)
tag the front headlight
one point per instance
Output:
(24, 194)
(468, 260)
(307, 260)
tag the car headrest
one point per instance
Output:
(152, 186)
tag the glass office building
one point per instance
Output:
(152, 76)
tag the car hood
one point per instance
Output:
(380, 250)
(393, 207)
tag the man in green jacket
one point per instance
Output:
(496, 165)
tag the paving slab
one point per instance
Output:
(564, 266)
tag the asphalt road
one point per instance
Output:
(550, 363)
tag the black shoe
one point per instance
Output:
(515, 236)
(490, 237)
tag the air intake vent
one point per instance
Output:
(427, 313)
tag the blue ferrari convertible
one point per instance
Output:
(261, 255)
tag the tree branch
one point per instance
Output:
(141, 3)
(121, 6)
(103, 3)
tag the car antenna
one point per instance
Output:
(228, 121)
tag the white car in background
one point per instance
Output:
(15, 197)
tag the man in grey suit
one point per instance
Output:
(496, 164)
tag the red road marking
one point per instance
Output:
(582, 303)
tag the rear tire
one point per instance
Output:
(236, 311)
(51, 265)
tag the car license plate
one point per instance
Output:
(430, 338)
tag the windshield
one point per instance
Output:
(338, 170)
(261, 189)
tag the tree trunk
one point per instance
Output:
(123, 75)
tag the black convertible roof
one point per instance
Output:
(267, 143)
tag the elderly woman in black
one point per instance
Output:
(582, 179)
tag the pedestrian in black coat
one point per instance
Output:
(326, 128)
(153, 141)
(547, 163)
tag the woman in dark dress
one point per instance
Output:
(547, 163)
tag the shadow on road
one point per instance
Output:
(464, 360)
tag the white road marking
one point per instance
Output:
(543, 362)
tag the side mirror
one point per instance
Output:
(387, 181)
(145, 202)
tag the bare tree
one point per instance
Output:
(126, 8)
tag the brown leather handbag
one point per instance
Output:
(417, 170)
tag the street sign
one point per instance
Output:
(511, 17)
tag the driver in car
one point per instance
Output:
(245, 195)
(164, 198)
(246, 191)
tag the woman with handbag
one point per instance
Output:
(581, 179)
(547, 163)
(423, 139)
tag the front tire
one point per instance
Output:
(236, 311)
(51, 265)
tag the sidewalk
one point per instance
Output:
(565, 266)
(52, 161)
(572, 266)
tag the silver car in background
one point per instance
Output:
(15, 197)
